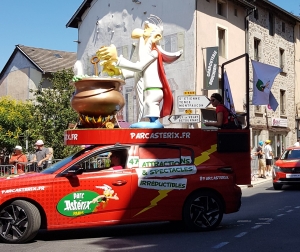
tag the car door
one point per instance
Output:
(159, 182)
(99, 194)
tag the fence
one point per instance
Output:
(254, 167)
(6, 170)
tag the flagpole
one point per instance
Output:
(246, 55)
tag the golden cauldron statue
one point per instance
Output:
(97, 99)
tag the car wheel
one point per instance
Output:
(203, 211)
(277, 186)
(19, 222)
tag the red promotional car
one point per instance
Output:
(287, 168)
(159, 175)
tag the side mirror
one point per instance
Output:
(73, 171)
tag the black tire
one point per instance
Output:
(20, 222)
(203, 211)
(277, 186)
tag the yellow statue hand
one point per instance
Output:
(107, 53)
(109, 68)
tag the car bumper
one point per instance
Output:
(286, 178)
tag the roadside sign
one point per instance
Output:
(189, 92)
(184, 118)
(192, 101)
(188, 111)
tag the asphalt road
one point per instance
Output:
(267, 221)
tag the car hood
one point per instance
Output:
(288, 163)
(27, 179)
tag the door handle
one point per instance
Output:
(119, 182)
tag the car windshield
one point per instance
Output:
(53, 168)
(291, 154)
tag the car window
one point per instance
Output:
(291, 154)
(114, 159)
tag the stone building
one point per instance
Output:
(271, 40)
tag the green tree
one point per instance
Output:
(52, 113)
(15, 116)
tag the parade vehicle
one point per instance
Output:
(286, 170)
(154, 173)
(167, 175)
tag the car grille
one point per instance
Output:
(290, 170)
(289, 179)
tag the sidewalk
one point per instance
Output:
(256, 181)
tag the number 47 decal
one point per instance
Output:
(133, 161)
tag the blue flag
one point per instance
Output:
(263, 78)
(228, 100)
(272, 102)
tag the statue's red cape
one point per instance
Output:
(167, 106)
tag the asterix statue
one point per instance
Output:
(151, 83)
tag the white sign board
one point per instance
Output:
(184, 118)
(279, 122)
(192, 101)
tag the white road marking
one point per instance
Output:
(297, 207)
(129, 248)
(244, 221)
(241, 234)
(289, 211)
(280, 215)
(220, 245)
(257, 226)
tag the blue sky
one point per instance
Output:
(36, 23)
(42, 23)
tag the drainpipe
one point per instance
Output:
(247, 29)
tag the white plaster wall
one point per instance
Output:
(20, 77)
(116, 20)
(208, 22)
(19, 62)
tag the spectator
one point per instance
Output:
(261, 163)
(269, 155)
(41, 155)
(19, 160)
(51, 156)
(297, 144)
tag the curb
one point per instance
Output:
(258, 181)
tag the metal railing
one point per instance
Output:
(254, 167)
(6, 170)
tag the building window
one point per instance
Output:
(235, 12)
(271, 24)
(255, 14)
(281, 59)
(283, 27)
(221, 8)
(282, 102)
(222, 42)
(257, 108)
(257, 49)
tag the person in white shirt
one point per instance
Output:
(269, 155)
(297, 144)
